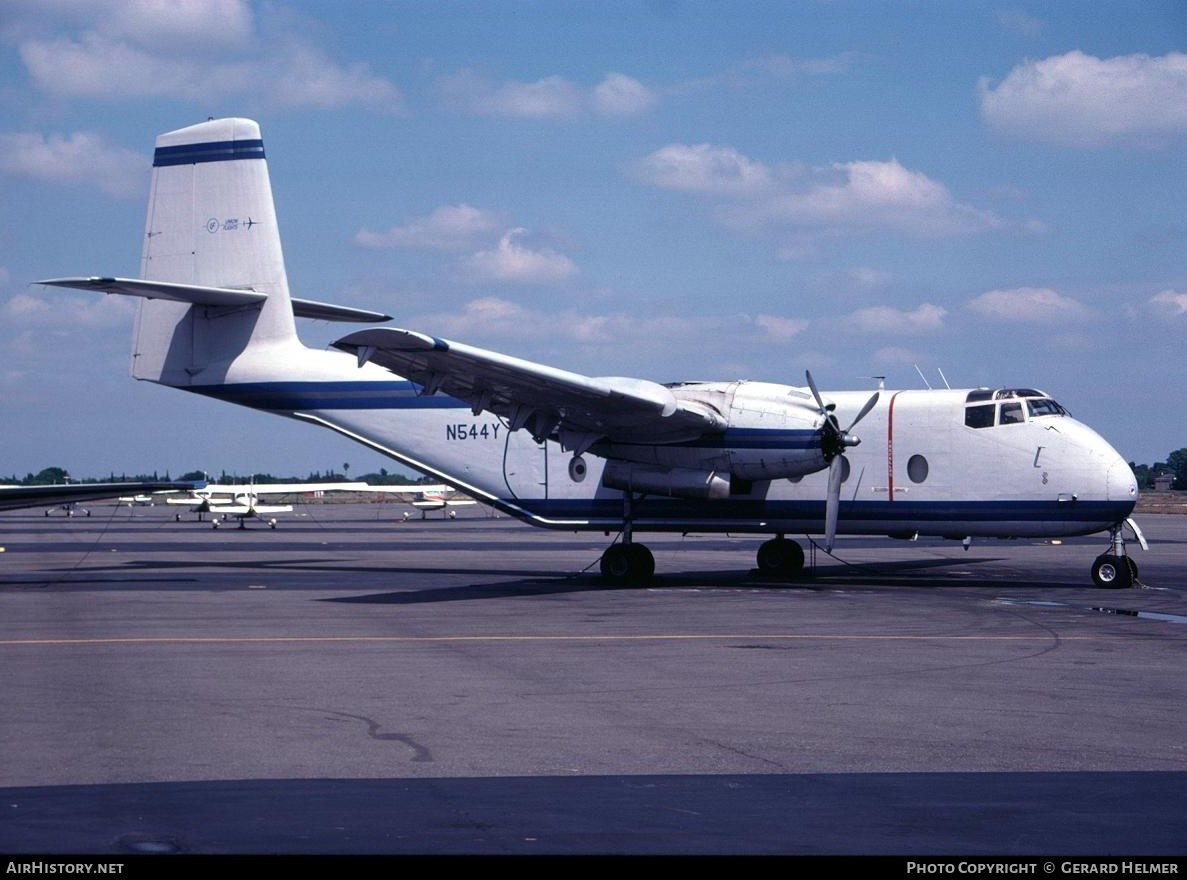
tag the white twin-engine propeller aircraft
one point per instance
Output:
(574, 452)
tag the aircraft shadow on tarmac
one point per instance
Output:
(921, 573)
(917, 574)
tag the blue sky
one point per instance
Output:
(669, 190)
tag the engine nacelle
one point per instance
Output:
(673, 482)
(774, 464)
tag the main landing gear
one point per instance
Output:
(1115, 570)
(631, 564)
(627, 563)
(781, 557)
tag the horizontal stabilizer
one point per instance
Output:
(186, 293)
(214, 296)
(307, 308)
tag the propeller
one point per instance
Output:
(833, 443)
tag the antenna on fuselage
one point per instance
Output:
(945, 378)
(923, 377)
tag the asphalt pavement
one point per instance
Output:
(351, 683)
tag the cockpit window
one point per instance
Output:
(979, 416)
(1011, 414)
(980, 412)
(1044, 406)
(1010, 393)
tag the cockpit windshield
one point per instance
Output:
(987, 408)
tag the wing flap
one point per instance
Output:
(544, 399)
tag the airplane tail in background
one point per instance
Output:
(211, 225)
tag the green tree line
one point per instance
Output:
(1175, 465)
(56, 476)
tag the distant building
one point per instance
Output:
(1162, 482)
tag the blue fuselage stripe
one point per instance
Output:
(212, 151)
(402, 394)
(297, 396)
(871, 516)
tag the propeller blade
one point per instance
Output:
(865, 411)
(832, 502)
(815, 392)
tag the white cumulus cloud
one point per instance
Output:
(1079, 100)
(1029, 304)
(551, 97)
(81, 157)
(450, 227)
(704, 168)
(621, 95)
(1169, 303)
(510, 261)
(886, 319)
(805, 205)
(197, 51)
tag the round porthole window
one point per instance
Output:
(917, 468)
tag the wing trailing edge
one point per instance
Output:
(544, 399)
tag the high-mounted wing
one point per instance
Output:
(581, 410)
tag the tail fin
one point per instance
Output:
(211, 224)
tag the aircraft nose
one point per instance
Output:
(1121, 484)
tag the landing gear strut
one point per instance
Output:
(627, 563)
(1115, 570)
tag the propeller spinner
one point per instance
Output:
(833, 443)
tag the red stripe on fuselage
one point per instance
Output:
(890, 447)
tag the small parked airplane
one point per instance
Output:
(242, 501)
(568, 451)
(221, 500)
(229, 502)
(441, 498)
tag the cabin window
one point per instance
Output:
(979, 416)
(917, 468)
(1012, 414)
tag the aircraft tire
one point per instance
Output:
(643, 561)
(1111, 572)
(625, 564)
(782, 557)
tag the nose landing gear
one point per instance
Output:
(1115, 570)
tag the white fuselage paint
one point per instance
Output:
(918, 470)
